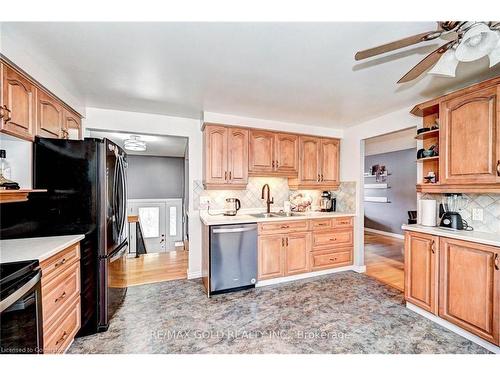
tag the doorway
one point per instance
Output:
(390, 174)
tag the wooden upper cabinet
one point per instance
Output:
(72, 125)
(50, 117)
(330, 158)
(17, 112)
(470, 138)
(287, 153)
(421, 270)
(215, 145)
(270, 256)
(237, 156)
(309, 171)
(261, 158)
(297, 249)
(226, 157)
(469, 294)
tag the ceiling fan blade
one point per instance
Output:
(405, 42)
(426, 63)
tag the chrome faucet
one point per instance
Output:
(269, 200)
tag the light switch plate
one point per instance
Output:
(477, 214)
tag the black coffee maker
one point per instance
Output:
(327, 203)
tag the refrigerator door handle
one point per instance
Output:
(123, 207)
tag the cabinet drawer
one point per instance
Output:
(318, 224)
(329, 259)
(333, 238)
(58, 338)
(59, 262)
(283, 226)
(58, 294)
(342, 222)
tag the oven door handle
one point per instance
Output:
(7, 302)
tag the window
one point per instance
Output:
(173, 221)
(150, 221)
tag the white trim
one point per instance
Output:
(383, 233)
(193, 275)
(359, 269)
(452, 327)
(301, 276)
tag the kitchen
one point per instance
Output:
(275, 218)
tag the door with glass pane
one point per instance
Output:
(161, 223)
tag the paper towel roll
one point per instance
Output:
(428, 212)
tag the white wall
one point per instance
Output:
(105, 119)
(352, 161)
(18, 154)
(401, 140)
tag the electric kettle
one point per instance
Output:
(231, 206)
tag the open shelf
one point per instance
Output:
(428, 134)
(20, 195)
(428, 158)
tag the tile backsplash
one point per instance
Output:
(489, 203)
(251, 196)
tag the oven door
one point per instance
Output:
(21, 319)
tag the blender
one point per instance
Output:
(451, 204)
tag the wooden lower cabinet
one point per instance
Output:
(469, 293)
(61, 299)
(421, 270)
(288, 247)
(297, 248)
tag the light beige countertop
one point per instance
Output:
(36, 248)
(492, 239)
(245, 216)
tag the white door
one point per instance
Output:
(161, 223)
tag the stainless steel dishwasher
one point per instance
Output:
(233, 257)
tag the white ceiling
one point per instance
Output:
(296, 72)
(155, 145)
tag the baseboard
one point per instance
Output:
(193, 275)
(383, 233)
(452, 327)
(301, 276)
(359, 269)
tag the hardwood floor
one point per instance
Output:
(384, 259)
(151, 268)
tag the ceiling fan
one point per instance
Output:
(470, 41)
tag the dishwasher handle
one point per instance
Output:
(234, 230)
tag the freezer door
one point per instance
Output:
(233, 256)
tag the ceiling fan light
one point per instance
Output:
(477, 42)
(134, 143)
(446, 65)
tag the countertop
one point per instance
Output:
(492, 239)
(36, 248)
(244, 217)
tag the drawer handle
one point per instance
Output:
(497, 267)
(62, 339)
(333, 239)
(62, 296)
(433, 247)
(60, 263)
(333, 259)
(321, 224)
(282, 241)
(285, 226)
(498, 168)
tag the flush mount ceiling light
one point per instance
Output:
(134, 143)
(466, 41)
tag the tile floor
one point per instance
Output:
(339, 313)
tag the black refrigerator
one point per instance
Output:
(86, 194)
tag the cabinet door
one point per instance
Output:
(215, 152)
(271, 256)
(261, 157)
(237, 156)
(72, 125)
(50, 117)
(421, 270)
(297, 249)
(287, 154)
(330, 156)
(469, 138)
(17, 115)
(309, 149)
(469, 287)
